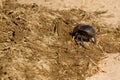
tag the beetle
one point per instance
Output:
(83, 32)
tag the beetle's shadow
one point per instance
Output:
(84, 40)
(79, 39)
(71, 33)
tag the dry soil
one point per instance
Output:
(35, 43)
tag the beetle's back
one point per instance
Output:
(85, 28)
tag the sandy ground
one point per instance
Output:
(110, 65)
(35, 44)
(112, 6)
(110, 68)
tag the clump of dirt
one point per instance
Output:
(35, 43)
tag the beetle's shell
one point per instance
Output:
(84, 29)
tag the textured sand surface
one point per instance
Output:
(35, 44)
(112, 6)
(111, 68)
(110, 65)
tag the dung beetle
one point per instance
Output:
(83, 32)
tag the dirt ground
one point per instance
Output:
(111, 68)
(35, 43)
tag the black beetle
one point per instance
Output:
(83, 32)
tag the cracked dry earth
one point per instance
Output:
(35, 44)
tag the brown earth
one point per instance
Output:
(35, 43)
(112, 16)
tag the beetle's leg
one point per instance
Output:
(82, 40)
(94, 41)
(82, 43)
(76, 38)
